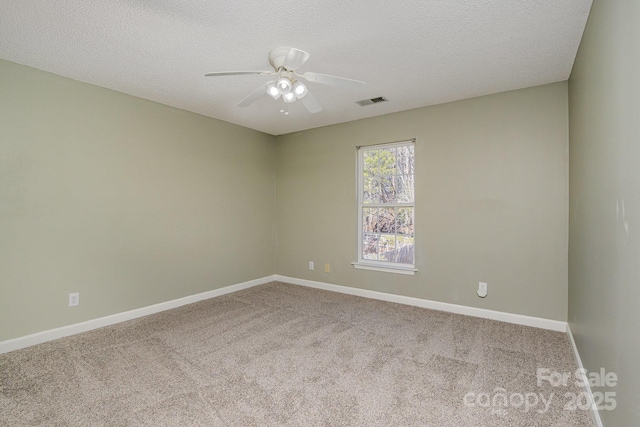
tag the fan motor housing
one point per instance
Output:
(277, 57)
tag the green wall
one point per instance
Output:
(133, 203)
(126, 201)
(491, 201)
(604, 245)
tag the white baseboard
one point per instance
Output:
(64, 331)
(52, 334)
(595, 415)
(518, 319)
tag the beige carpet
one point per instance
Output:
(281, 354)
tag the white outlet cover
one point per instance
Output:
(74, 299)
(311, 266)
(482, 289)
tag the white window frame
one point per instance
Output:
(365, 264)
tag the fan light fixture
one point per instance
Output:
(285, 62)
(287, 89)
(299, 89)
(284, 85)
(273, 91)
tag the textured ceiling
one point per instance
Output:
(413, 52)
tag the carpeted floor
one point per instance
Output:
(280, 354)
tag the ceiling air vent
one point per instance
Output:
(371, 101)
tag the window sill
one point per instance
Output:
(385, 269)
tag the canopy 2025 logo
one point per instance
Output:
(601, 400)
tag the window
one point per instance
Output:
(386, 207)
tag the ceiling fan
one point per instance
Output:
(285, 62)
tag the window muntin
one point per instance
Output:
(386, 205)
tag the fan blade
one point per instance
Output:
(311, 103)
(335, 81)
(253, 96)
(295, 58)
(237, 73)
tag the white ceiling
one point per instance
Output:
(414, 52)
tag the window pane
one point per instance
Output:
(404, 222)
(370, 220)
(387, 190)
(404, 188)
(371, 190)
(387, 246)
(405, 240)
(402, 254)
(387, 220)
(370, 246)
(370, 167)
(388, 161)
(405, 160)
(388, 241)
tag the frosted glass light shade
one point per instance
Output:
(273, 91)
(299, 90)
(284, 85)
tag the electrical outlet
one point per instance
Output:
(74, 299)
(327, 268)
(482, 289)
(311, 266)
